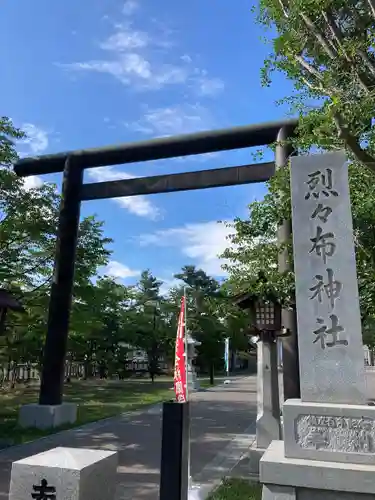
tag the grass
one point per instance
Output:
(96, 399)
(237, 489)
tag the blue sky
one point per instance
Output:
(86, 74)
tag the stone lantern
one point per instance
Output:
(266, 327)
(192, 379)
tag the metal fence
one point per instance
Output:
(25, 372)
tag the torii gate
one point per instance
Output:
(74, 191)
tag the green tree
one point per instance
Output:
(325, 48)
(28, 223)
(149, 332)
(9, 134)
(203, 316)
(100, 327)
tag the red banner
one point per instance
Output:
(179, 362)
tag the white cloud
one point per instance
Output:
(130, 6)
(186, 58)
(32, 182)
(209, 86)
(124, 40)
(137, 205)
(201, 242)
(35, 142)
(118, 270)
(168, 284)
(180, 119)
(134, 69)
(141, 60)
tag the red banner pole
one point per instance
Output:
(186, 347)
(180, 363)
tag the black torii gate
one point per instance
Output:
(73, 164)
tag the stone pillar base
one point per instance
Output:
(268, 428)
(329, 432)
(290, 478)
(47, 416)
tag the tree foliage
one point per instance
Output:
(325, 47)
(212, 317)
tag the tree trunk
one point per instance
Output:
(153, 361)
(9, 369)
(102, 370)
(212, 374)
(232, 364)
(14, 374)
(88, 369)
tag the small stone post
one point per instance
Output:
(65, 473)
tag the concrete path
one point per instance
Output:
(223, 425)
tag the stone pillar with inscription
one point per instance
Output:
(65, 473)
(329, 434)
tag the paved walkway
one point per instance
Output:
(223, 424)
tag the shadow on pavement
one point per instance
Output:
(218, 416)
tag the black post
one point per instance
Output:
(289, 344)
(52, 382)
(174, 469)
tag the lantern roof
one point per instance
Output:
(191, 340)
(246, 300)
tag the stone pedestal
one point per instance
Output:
(313, 479)
(66, 473)
(47, 416)
(268, 407)
(326, 432)
(328, 452)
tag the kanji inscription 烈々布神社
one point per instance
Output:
(330, 288)
(324, 245)
(320, 183)
(327, 302)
